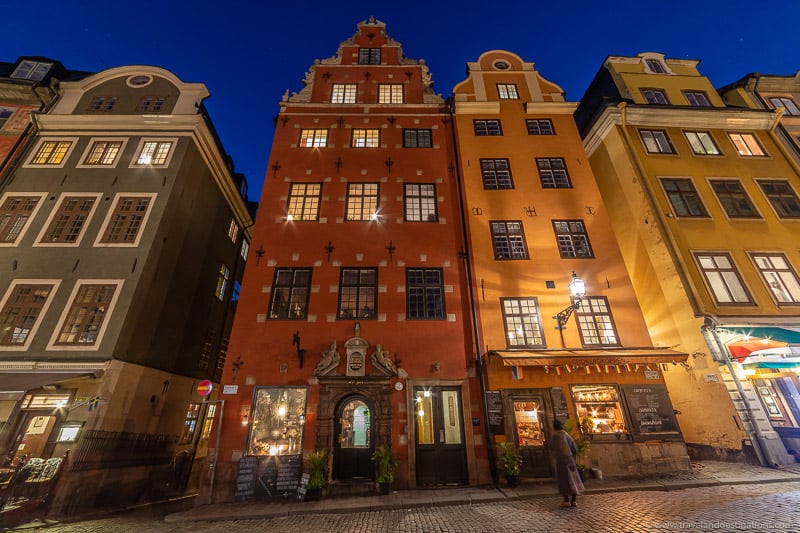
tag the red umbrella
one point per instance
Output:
(741, 348)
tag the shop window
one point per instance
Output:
(209, 421)
(190, 423)
(528, 423)
(277, 421)
(598, 409)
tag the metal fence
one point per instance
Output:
(120, 449)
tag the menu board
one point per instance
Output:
(290, 467)
(560, 411)
(494, 411)
(650, 409)
(246, 479)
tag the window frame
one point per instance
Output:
(309, 210)
(53, 285)
(726, 276)
(529, 322)
(344, 93)
(539, 130)
(783, 277)
(102, 104)
(102, 241)
(151, 104)
(507, 91)
(423, 202)
(70, 142)
(594, 318)
(358, 202)
(6, 113)
(369, 58)
(419, 135)
(35, 70)
(683, 194)
(566, 240)
(513, 240)
(492, 174)
(778, 199)
(432, 292)
(655, 141)
(313, 138)
(787, 103)
(709, 136)
(359, 286)
(16, 214)
(485, 127)
(55, 344)
(655, 66)
(653, 95)
(365, 138)
(743, 139)
(694, 96)
(159, 141)
(391, 93)
(730, 200)
(50, 223)
(223, 280)
(292, 286)
(94, 141)
(552, 177)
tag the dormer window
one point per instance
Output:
(655, 66)
(31, 70)
(369, 56)
(102, 103)
(786, 103)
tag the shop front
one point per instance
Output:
(616, 401)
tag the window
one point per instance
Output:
(276, 421)
(595, 323)
(683, 197)
(86, 314)
(496, 174)
(233, 231)
(553, 173)
(5, 114)
(304, 201)
(655, 96)
(540, 126)
(390, 93)
(779, 193)
(150, 104)
(154, 153)
(734, 199)
(723, 278)
(701, 142)
(15, 212)
(507, 91)
(67, 222)
(102, 153)
(572, 238)
(424, 293)
(746, 144)
(787, 103)
(313, 138)
(358, 289)
(522, 322)
(656, 142)
(417, 139)
(366, 138)
(222, 282)
(655, 66)
(490, 127)
(508, 240)
(31, 70)
(344, 93)
(697, 98)
(209, 421)
(420, 202)
(51, 153)
(598, 409)
(69, 431)
(362, 201)
(779, 276)
(369, 56)
(245, 249)
(102, 103)
(190, 423)
(290, 290)
(21, 311)
(126, 219)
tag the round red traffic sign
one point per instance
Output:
(204, 387)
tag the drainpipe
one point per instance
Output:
(216, 451)
(716, 344)
(479, 364)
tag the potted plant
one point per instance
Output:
(576, 428)
(317, 464)
(385, 463)
(512, 462)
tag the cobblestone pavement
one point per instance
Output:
(769, 507)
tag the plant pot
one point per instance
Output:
(314, 493)
(512, 480)
(385, 487)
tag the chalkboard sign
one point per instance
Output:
(246, 479)
(650, 409)
(494, 411)
(302, 488)
(289, 469)
(560, 411)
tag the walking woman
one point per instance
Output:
(567, 476)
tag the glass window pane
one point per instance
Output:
(424, 415)
(529, 424)
(277, 418)
(598, 409)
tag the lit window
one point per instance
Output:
(358, 289)
(233, 231)
(277, 418)
(489, 127)
(344, 93)
(21, 311)
(222, 282)
(656, 142)
(734, 199)
(701, 142)
(697, 98)
(507, 91)
(390, 93)
(417, 139)
(683, 197)
(304, 201)
(290, 290)
(103, 153)
(420, 202)
(779, 193)
(553, 173)
(126, 220)
(572, 238)
(779, 277)
(366, 138)
(313, 138)
(598, 409)
(209, 421)
(15, 213)
(154, 153)
(655, 96)
(723, 279)
(245, 249)
(746, 144)
(51, 153)
(508, 240)
(424, 293)
(362, 201)
(496, 174)
(190, 423)
(522, 322)
(69, 432)
(595, 323)
(540, 126)
(786, 103)
(369, 56)
(86, 315)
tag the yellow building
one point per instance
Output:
(536, 225)
(704, 205)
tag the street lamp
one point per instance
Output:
(577, 289)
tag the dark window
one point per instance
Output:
(496, 174)
(102, 103)
(540, 126)
(780, 194)
(290, 290)
(683, 197)
(553, 173)
(21, 311)
(572, 238)
(126, 219)
(369, 56)
(417, 139)
(697, 98)
(69, 219)
(655, 66)
(358, 289)
(508, 240)
(656, 142)
(424, 294)
(522, 322)
(14, 215)
(787, 103)
(596, 325)
(86, 315)
(152, 104)
(420, 202)
(734, 199)
(487, 127)
(655, 96)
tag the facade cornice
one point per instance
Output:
(477, 108)
(556, 108)
(52, 366)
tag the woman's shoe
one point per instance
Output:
(564, 504)
(573, 504)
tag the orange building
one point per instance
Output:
(538, 225)
(351, 330)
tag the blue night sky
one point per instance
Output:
(250, 53)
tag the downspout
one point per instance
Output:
(479, 365)
(713, 340)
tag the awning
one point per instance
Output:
(21, 382)
(578, 357)
(779, 358)
(788, 335)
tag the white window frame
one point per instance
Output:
(55, 283)
(388, 93)
(782, 279)
(366, 138)
(344, 93)
(144, 140)
(90, 146)
(233, 230)
(110, 212)
(29, 164)
(787, 103)
(507, 91)
(655, 142)
(743, 147)
(703, 144)
(313, 138)
(56, 205)
(245, 249)
(729, 285)
(51, 346)
(34, 67)
(41, 196)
